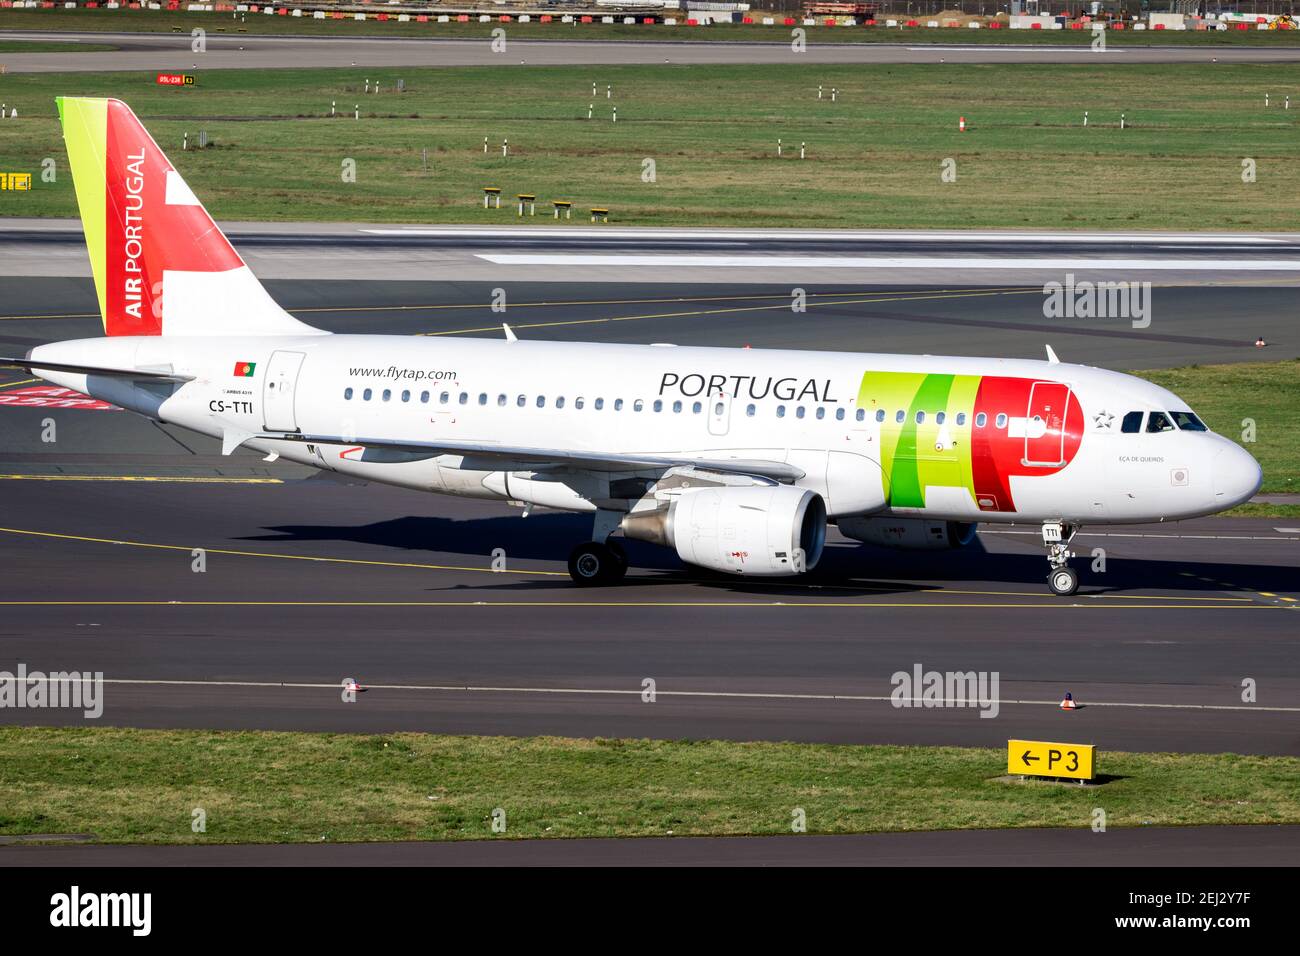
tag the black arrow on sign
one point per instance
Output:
(1025, 758)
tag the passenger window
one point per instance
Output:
(780, 411)
(750, 410)
(521, 401)
(541, 401)
(366, 395)
(880, 414)
(388, 394)
(981, 420)
(559, 402)
(821, 412)
(1132, 423)
(482, 398)
(939, 418)
(718, 409)
(961, 418)
(1001, 420)
(697, 408)
(444, 397)
(406, 395)
(464, 398)
(920, 418)
(677, 408)
(600, 403)
(658, 405)
(618, 404)
(637, 405)
(424, 397)
(798, 412)
(901, 416)
(579, 402)
(347, 394)
(839, 414)
(1159, 422)
(501, 399)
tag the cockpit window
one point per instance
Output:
(1188, 422)
(1159, 422)
(1132, 423)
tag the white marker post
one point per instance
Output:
(590, 107)
(801, 149)
(1121, 120)
(505, 147)
(333, 107)
(615, 119)
(778, 149)
(356, 112)
(1085, 117)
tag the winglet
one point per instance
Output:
(1051, 356)
(510, 336)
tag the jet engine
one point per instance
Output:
(909, 534)
(760, 530)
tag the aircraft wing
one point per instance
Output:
(542, 458)
(32, 365)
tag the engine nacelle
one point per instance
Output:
(908, 534)
(759, 530)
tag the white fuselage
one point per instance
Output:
(809, 409)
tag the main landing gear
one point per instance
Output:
(1062, 580)
(599, 561)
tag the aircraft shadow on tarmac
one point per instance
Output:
(845, 565)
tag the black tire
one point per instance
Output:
(1063, 581)
(592, 564)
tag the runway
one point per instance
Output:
(1251, 846)
(595, 255)
(148, 52)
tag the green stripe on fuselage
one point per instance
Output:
(916, 455)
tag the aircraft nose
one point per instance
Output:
(1237, 476)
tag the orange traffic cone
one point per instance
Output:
(961, 125)
(1068, 703)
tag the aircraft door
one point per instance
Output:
(279, 391)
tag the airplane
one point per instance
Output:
(735, 458)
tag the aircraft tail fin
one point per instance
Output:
(161, 265)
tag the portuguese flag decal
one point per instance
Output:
(245, 369)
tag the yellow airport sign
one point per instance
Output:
(1038, 758)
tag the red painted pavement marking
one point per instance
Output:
(52, 396)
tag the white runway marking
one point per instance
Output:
(637, 691)
(886, 262)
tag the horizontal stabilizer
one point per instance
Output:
(33, 365)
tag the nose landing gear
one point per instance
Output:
(1062, 580)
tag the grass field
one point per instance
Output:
(125, 21)
(141, 786)
(1266, 393)
(875, 156)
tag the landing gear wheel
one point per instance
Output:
(593, 564)
(1063, 581)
